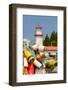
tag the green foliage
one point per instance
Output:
(53, 39)
(50, 41)
(46, 40)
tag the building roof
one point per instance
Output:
(38, 27)
(51, 48)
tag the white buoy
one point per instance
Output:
(41, 48)
(37, 64)
(25, 62)
(35, 47)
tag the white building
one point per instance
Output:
(38, 36)
(52, 50)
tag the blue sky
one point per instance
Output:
(48, 23)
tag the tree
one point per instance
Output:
(56, 36)
(53, 39)
(50, 41)
(46, 40)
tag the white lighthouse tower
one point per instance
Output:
(38, 36)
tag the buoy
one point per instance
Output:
(41, 48)
(30, 68)
(25, 62)
(25, 71)
(35, 47)
(37, 64)
(28, 56)
(39, 58)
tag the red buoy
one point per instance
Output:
(31, 68)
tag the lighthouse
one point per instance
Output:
(38, 35)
